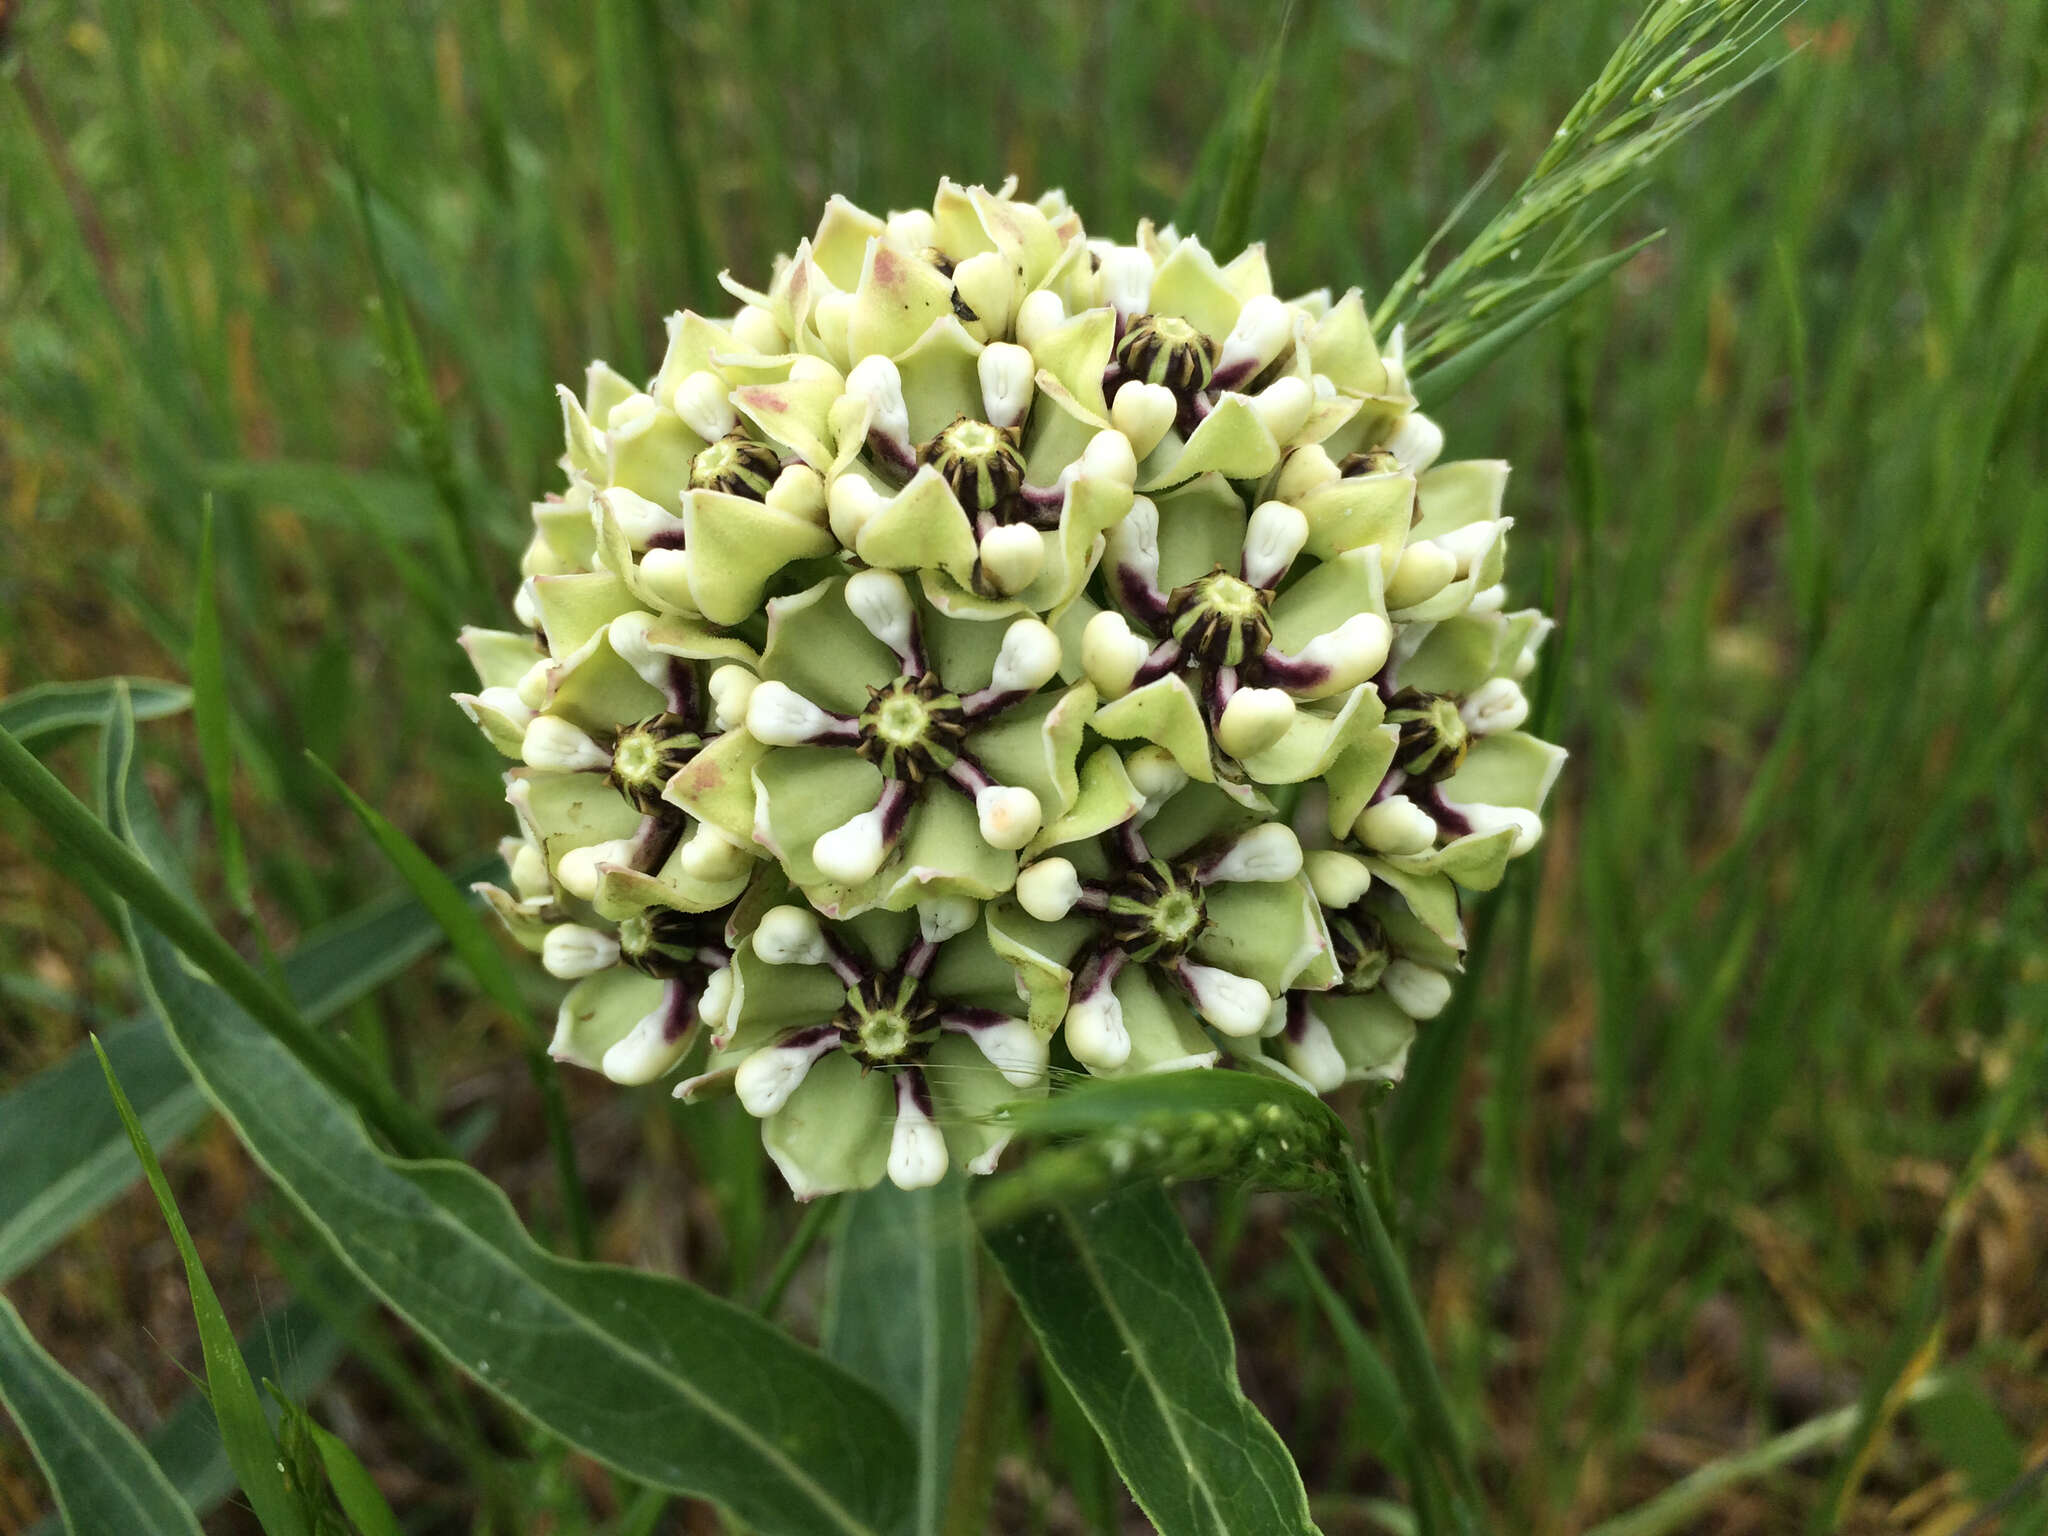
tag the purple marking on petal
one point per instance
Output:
(1131, 842)
(653, 841)
(1448, 816)
(1390, 785)
(969, 776)
(667, 538)
(1297, 1017)
(1138, 594)
(910, 1084)
(685, 698)
(897, 801)
(1164, 658)
(679, 1010)
(1277, 669)
(970, 1021)
(1098, 972)
(920, 959)
(897, 457)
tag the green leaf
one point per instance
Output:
(129, 876)
(1241, 182)
(49, 712)
(649, 1375)
(245, 1431)
(61, 1143)
(210, 715)
(354, 1489)
(1122, 1308)
(101, 1476)
(899, 1314)
(1438, 382)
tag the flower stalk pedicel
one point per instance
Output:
(993, 647)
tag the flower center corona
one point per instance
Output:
(1220, 619)
(646, 755)
(1433, 734)
(887, 1020)
(912, 728)
(982, 464)
(736, 465)
(1156, 914)
(1165, 349)
(1361, 950)
(665, 943)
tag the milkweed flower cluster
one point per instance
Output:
(993, 649)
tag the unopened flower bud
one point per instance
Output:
(1263, 330)
(1423, 570)
(1397, 825)
(1416, 990)
(1144, 413)
(1284, 405)
(1125, 281)
(730, 687)
(757, 330)
(1095, 1031)
(1039, 316)
(1012, 555)
(704, 402)
(571, 951)
(987, 285)
(1269, 851)
(1272, 539)
(854, 850)
(552, 742)
(1416, 442)
(850, 504)
(1009, 817)
(1048, 889)
(1007, 376)
(1111, 654)
(790, 936)
(1253, 720)
(1338, 879)
(1498, 704)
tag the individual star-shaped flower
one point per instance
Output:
(1193, 912)
(885, 1044)
(1466, 786)
(1246, 663)
(1396, 939)
(899, 753)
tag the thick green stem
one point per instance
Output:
(974, 1455)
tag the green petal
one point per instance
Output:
(582, 449)
(1344, 350)
(1039, 953)
(1231, 441)
(923, 525)
(804, 792)
(841, 243)
(1247, 276)
(565, 811)
(1059, 428)
(1432, 898)
(1456, 655)
(1094, 503)
(736, 545)
(574, 608)
(1034, 746)
(816, 646)
(1106, 798)
(1269, 930)
(1077, 354)
(1201, 526)
(1476, 862)
(1456, 494)
(565, 527)
(690, 639)
(717, 785)
(1194, 815)
(1322, 600)
(968, 1096)
(623, 892)
(1189, 284)
(604, 387)
(940, 381)
(694, 344)
(1357, 773)
(768, 999)
(501, 730)
(1022, 232)
(900, 296)
(970, 972)
(501, 656)
(653, 457)
(1371, 1034)
(599, 1012)
(1359, 512)
(1165, 1035)
(796, 413)
(942, 854)
(598, 689)
(1315, 742)
(1457, 597)
(1163, 711)
(1510, 768)
(527, 921)
(833, 1134)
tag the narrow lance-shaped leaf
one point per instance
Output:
(899, 1314)
(245, 1431)
(210, 715)
(102, 1478)
(1123, 1309)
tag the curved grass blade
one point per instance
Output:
(244, 1430)
(101, 1477)
(1248, 152)
(128, 875)
(899, 1314)
(210, 714)
(49, 712)
(1123, 1309)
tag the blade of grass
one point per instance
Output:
(80, 833)
(49, 712)
(1241, 181)
(210, 716)
(244, 1429)
(485, 961)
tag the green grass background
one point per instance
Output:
(1668, 1183)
